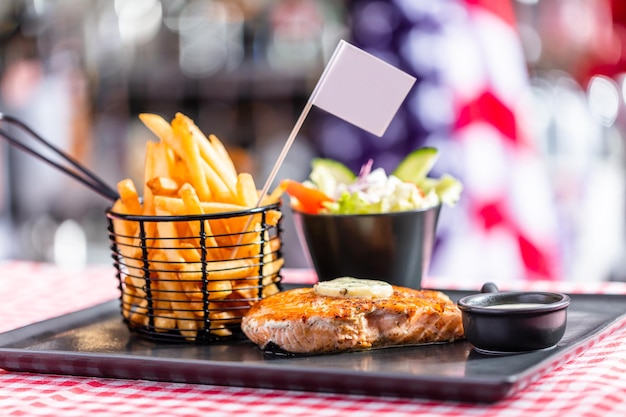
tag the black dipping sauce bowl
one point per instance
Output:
(511, 322)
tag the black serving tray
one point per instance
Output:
(95, 342)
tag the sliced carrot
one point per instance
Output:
(311, 199)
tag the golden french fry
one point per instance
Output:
(271, 268)
(125, 232)
(135, 285)
(230, 269)
(163, 186)
(190, 253)
(246, 190)
(221, 318)
(192, 205)
(175, 166)
(221, 331)
(192, 288)
(129, 196)
(133, 261)
(275, 195)
(168, 206)
(162, 129)
(190, 150)
(149, 173)
(248, 244)
(195, 289)
(173, 150)
(221, 151)
(179, 169)
(172, 290)
(246, 196)
(130, 249)
(189, 267)
(139, 314)
(272, 265)
(164, 317)
(173, 205)
(221, 228)
(191, 200)
(218, 187)
(185, 233)
(271, 262)
(126, 302)
(169, 271)
(123, 228)
(161, 159)
(159, 264)
(156, 166)
(130, 300)
(272, 217)
(176, 206)
(275, 244)
(168, 235)
(186, 320)
(270, 289)
(169, 240)
(192, 157)
(191, 272)
(247, 288)
(212, 207)
(235, 304)
(223, 236)
(208, 152)
(218, 289)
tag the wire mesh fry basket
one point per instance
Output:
(192, 278)
(187, 278)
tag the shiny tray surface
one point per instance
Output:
(95, 342)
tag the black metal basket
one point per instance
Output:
(192, 278)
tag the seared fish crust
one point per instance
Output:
(301, 321)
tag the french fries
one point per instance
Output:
(201, 273)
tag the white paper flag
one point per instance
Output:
(361, 89)
(357, 87)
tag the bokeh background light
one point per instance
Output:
(524, 98)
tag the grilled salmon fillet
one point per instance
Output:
(301, 321)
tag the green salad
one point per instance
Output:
(334, 189)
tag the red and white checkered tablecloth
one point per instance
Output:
(592, 383)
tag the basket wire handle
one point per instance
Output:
(84, 175)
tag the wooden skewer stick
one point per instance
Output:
(277, 165)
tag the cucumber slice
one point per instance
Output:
(417, 165)
(328, 173)
(340, 172)
(448, 189)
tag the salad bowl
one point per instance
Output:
(395, 247)
(371, 225)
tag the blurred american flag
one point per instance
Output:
(468, 102)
